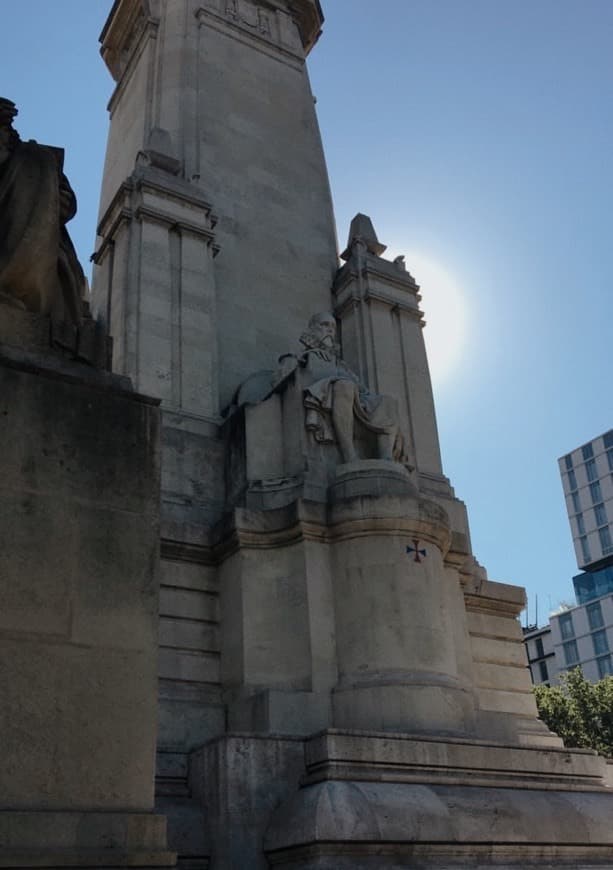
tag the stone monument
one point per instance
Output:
(79, 538)
(341, 685)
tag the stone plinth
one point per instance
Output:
(79, 542)
(377, 800)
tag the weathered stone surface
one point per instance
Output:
(79, 545)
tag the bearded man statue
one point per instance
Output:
(334, 398)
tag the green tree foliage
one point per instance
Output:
(579, 711)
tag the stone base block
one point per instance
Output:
(396, 801)
(82, 840)
(280, 712)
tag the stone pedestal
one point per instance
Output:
(400, 630)
(79, 542)
(389, 801)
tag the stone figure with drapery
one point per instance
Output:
(39, 269)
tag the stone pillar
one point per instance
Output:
(215, 96)
(377, 304)
(79, 545)
(396, 606)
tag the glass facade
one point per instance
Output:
(585, 550)
(594, 615)
(566, 626)
(605, 540)
(571, 653)
(604, 667)
(595, 492)
(600, 515)
(601, 644)
(594, 584)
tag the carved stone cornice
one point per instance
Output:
(122, 32)
(310, 521)
(137, 199)
(269, 21)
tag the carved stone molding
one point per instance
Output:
(128, 21)
(294, 25)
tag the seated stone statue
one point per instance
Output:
(334, 398)
(39, 269)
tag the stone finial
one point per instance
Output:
(362, 230)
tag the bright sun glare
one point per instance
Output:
(444, 312)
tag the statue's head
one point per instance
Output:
(323, 325)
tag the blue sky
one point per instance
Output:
(478, 135)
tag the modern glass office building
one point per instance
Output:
(590, 585)
(587, 480)
(583, 635)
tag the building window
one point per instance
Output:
(604, 667)
(585, 550)
(540, 652)
(601, 644)
(610, 459)
(543, 670)
(572, 480)
(608, 438)
(594, 615)
(580, 524)
(595, 492)
(587, 450)
(590, 468)
(568, 459)
(566, 626)
(571, 653)
(605, 540)
(600, 513)
(576, 503)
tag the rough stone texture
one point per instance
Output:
(381, 800)
(79, 543)
(240, 780)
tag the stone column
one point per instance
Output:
(396, 606)
(377, 304)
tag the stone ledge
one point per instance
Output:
(380, 757)
(54, 839)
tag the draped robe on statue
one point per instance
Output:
(39, 269)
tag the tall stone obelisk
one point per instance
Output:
(340, 684)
